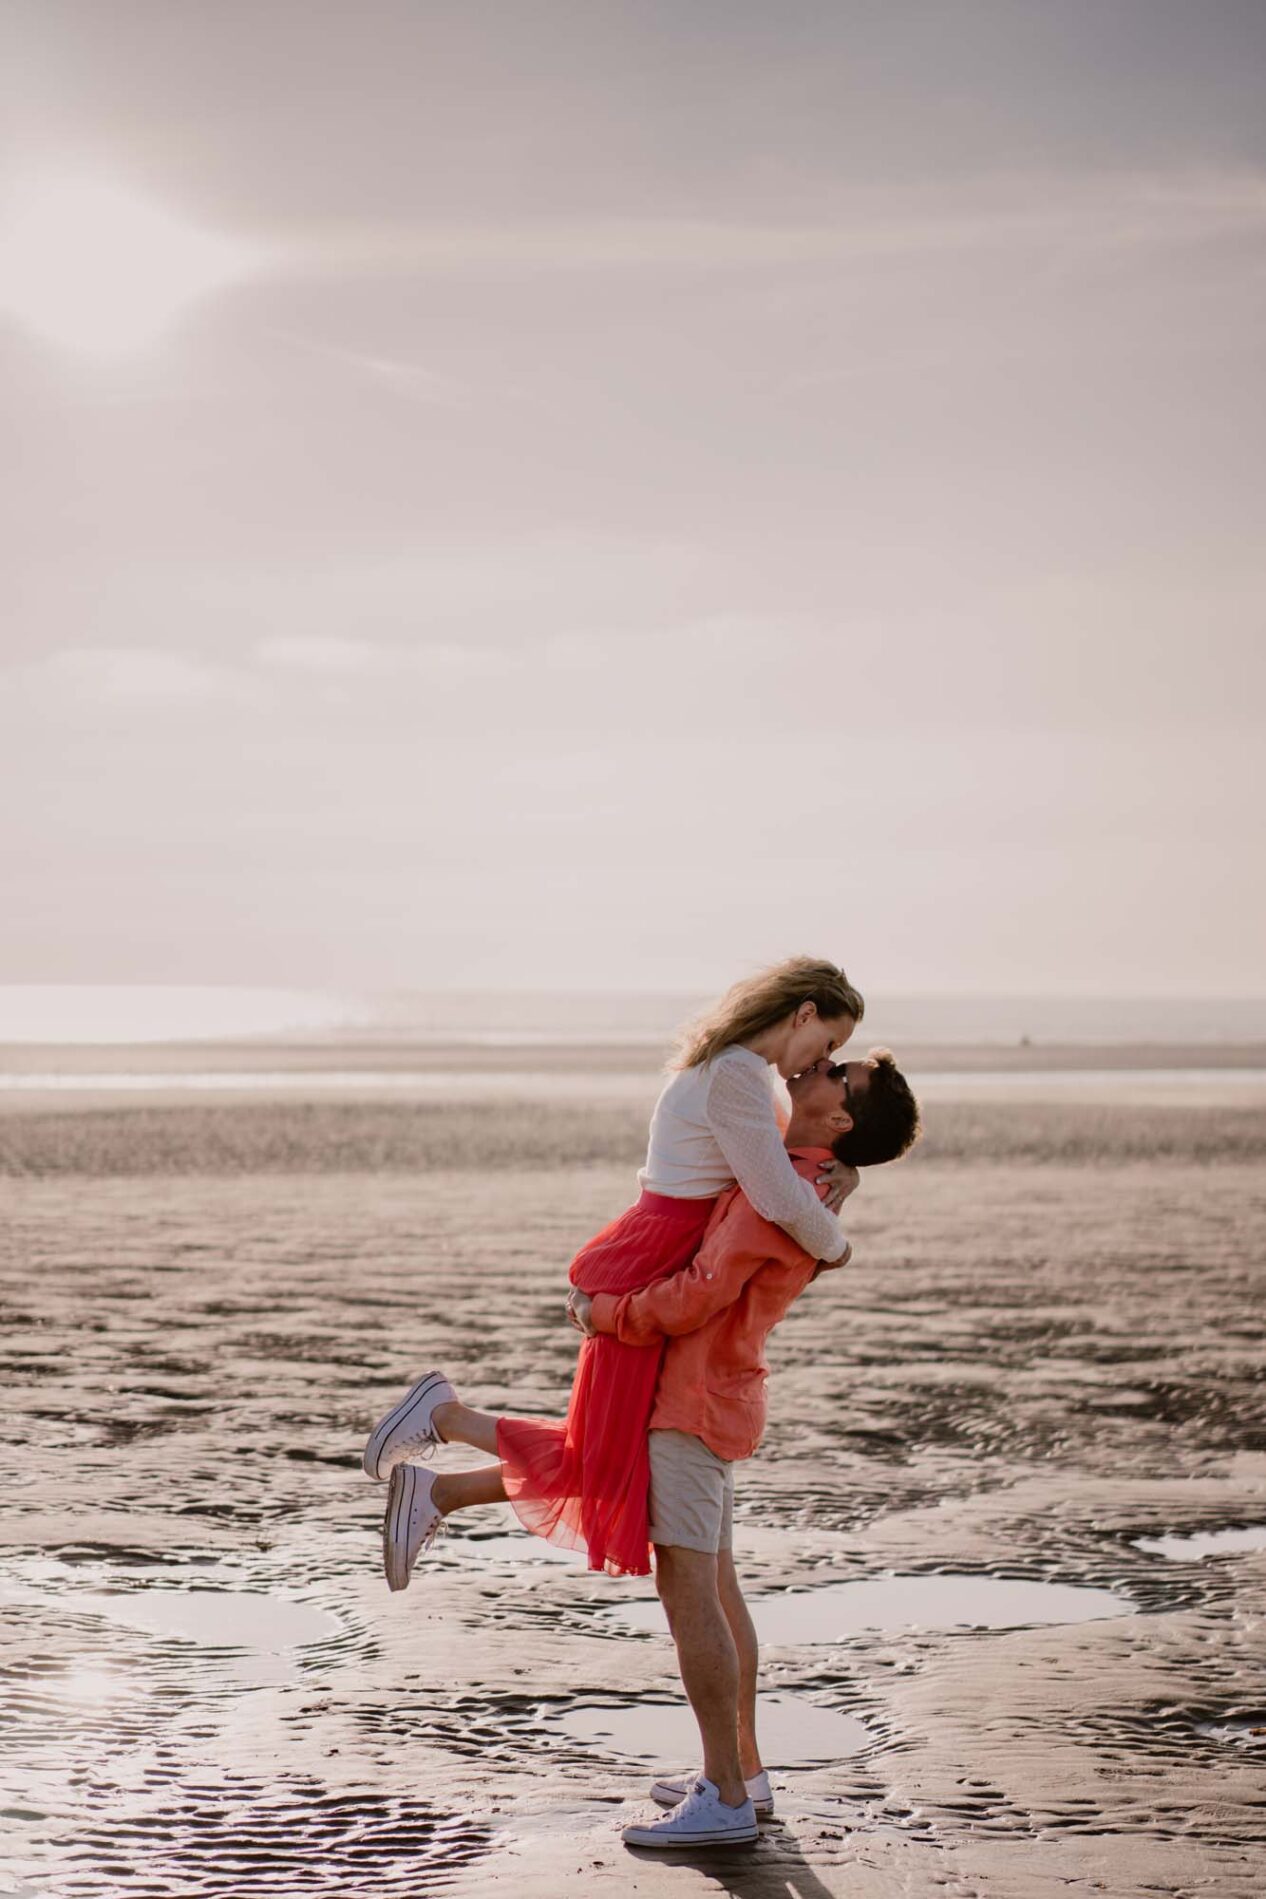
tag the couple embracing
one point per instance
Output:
(675, 1299)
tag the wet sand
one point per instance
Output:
(1048, 1353)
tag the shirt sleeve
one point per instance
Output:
(740, 1111)
(685, 1300)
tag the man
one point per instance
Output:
(710, 1413)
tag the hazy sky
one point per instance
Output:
(642, 489)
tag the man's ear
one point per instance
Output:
(840, 1119)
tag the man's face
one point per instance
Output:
(824, 1095)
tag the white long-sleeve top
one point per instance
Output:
(715, 1124)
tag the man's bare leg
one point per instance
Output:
(707, 1658)
(748, 1651)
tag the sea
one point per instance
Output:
(104, 1042)
(140, 1014)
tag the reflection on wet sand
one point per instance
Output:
(217, 1618)
(1201, 1543)
(795, 1732)
(837, 1610)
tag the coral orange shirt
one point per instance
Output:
(717, 1314)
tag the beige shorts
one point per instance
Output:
(692, 1493)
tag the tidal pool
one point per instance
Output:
(216, 1618)
(794, 1732)
(1248, 1731)
(1201, 1543)
(838, 1610)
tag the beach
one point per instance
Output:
(550, 544)
(994, 1661)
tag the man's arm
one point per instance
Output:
(682, 1302)
(685, 1300)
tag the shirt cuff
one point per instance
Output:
(602, 1311)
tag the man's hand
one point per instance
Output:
(844, 1181)
(580, 1310)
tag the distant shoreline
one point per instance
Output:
(484, 1079)
(580, 1058)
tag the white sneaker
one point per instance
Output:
(671, 1793)
(702, 1819)
(408, 1430)
(410, 1523)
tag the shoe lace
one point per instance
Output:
(423, 1444)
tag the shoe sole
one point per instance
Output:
(686, 1842)
(406, 1409)
(400, 1497)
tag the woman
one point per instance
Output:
(584, 1481)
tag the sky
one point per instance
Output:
(601, 496)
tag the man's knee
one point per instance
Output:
(684, 1575)
(728, 1584)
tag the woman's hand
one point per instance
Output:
(579, 1311)
(844, 1181)
(830, 1265)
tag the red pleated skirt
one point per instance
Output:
(584, 1482)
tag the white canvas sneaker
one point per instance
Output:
(702, 1819)
(671, 1793)
(408, 1430)
(410, 1522)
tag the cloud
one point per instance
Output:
(131, 675)
(1130, 210)
(401, 377)
(331, 657)
(317, 653)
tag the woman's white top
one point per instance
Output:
(715, 1124)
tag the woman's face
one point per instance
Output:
(813, 1038)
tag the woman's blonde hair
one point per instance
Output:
(760, 1001)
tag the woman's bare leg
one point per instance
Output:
(465, 1489)
(458, 1423)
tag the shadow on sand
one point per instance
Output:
(775, 1868)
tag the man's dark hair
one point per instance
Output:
(885, 1117)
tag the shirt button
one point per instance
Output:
(707, 1275)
